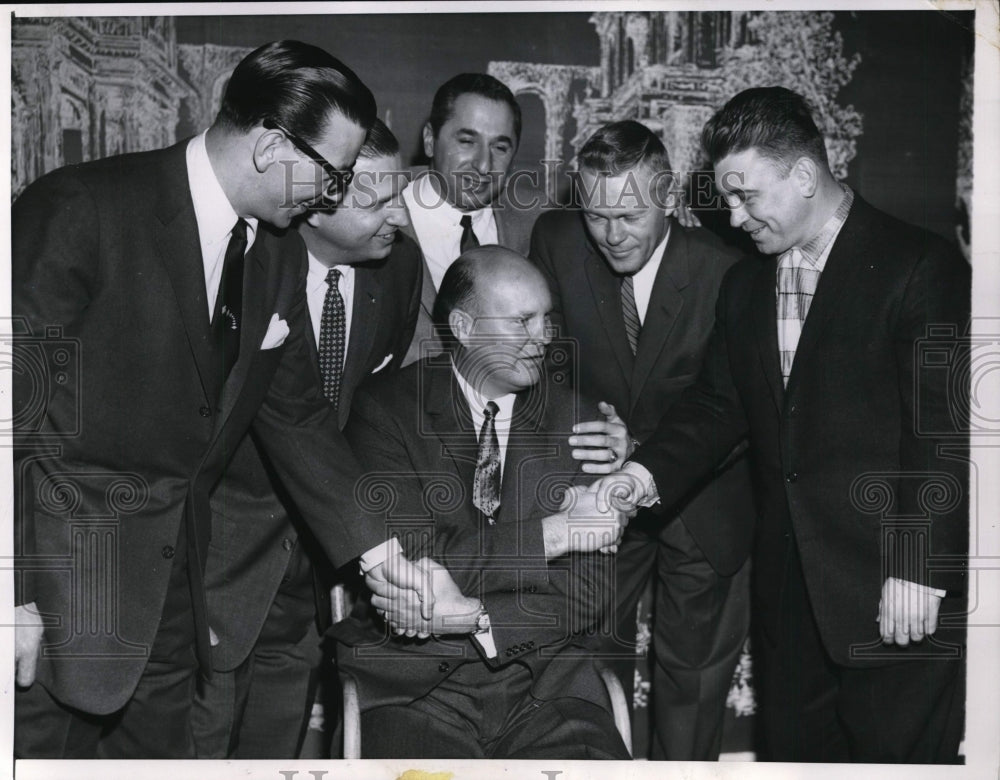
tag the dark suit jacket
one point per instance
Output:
(858, 439)
(414, 434)
(107, 254)
(513, 232)
(255, 525)
(719, 511)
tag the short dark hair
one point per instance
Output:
(295, 85)
(480, 84)
(380, 142)
(621, 146)
(457, 291)
(773, 120)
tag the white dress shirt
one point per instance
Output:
(316, 289)
(437, 225)
(645, 277)
(214, 216)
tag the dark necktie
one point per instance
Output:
(228, 317)
(630, 313)
(469, 240)
(332, 328)
(486, 486)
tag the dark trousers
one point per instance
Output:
(700, 621)
(478, 712)
(811, 709)
(155, 723)
(261, 709)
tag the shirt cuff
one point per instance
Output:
(486, 642)
(376, 555)
(921, 589)
(641, 473)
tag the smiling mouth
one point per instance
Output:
(753, 233)
(386, 236)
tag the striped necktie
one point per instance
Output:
(630, 313)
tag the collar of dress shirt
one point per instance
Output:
(644, 279)
(318, 273)
(477, 402)
(212, 209)
(816, 250)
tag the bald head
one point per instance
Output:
(494, 305)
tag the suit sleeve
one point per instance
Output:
(313, 460)
(541, 256)
(934, 414)
(55, 273)
(409, 325)
(701, 429)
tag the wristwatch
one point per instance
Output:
(482, 620)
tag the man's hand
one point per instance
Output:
(906, 612)
(454, 613)
(684, 214)
(580, 526)
(606, 442)
(408, 587)
(28, 632)
(621, 491)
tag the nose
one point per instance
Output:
(737, 216)
(614, 234)
(396, 215)
(481, 159)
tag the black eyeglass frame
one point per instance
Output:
(339, 180)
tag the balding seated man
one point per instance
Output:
(467, 455)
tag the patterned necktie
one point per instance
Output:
(796, 284)
(228, 316)
(332, 329)
(469, 240)
(630, 313)
(486, 486)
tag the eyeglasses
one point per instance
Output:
(337, 186)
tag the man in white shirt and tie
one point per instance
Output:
(469, 451)
(458, 202)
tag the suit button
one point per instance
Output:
(794, 411)
(443, 667)
(287, 543)
(167, 552)
(508, 652)
(532, 589)
(205, 411)
(791, 476)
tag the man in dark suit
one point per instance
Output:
(259, 578)
(636, 293)
(517, 579)
(857, 445)
(185, 340)
(459, 201)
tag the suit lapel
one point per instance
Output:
(365, 311)
(665, 304)
(606, 290)
(765, 324)
(450, 420)
(848, 256)
(179, 247)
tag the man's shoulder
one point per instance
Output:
(395, 393)
(708, 246)
(559, 222)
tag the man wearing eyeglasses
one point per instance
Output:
(177, 323)
(362, 291)
(457, 204)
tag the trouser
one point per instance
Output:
(479, 712)
(700, 622)
(155, 723)
(811, 709)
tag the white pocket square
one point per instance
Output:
(384, 363)
(277, 332)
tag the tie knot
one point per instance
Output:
(239, 231)
(490, 412)
(466, 222)
(333, 277)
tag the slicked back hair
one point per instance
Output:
(774, 121)
(622, 146)
(480, 84)
(297, 86)
(380, 142)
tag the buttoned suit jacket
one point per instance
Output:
(719, 511)
(513, 232)
(414, 434)
(863, 454)
(125, 445)
(256, 526)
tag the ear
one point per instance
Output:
(806, 176)
(460, 324)
(267, 149)
(429, 140)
